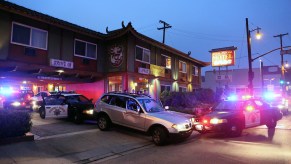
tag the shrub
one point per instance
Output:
(14, 123)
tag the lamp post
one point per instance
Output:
(251, 73)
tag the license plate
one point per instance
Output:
(199, 127)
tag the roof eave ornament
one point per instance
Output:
(122, 24)
(107, 31)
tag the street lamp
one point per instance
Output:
(251, 73)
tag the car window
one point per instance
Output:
(229, 106)
(118, 101)
(151, 106)
(106, 99)
(72, 99)
(53, 100)
(131, 104)
(83, 99)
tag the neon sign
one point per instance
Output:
(223, 58)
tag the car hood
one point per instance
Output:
(219, 114)
(171, 116)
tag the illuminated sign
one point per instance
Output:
(157, 70)
(61, 63)
(223, 58)
(143, 70)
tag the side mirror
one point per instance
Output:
(167, 107)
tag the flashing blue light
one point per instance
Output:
(6, 91)
(232, 97)
(269, 95)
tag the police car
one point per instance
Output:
(232, 116)
(67, 105)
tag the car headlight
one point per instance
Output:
(16, 103)
(90, 111)
(217, 121)
(182, 127)
(280, 106)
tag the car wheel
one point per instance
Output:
(235, 130)
(42, 113)
(77, 118)
(272, 123)
(103, 122)
(159, 136)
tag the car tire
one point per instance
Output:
(159, 136)
(77, 118)
(271, 124)
(235, 130)
(103, 122)
(42, 113)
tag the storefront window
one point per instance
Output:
(141, 85)
(115, 84)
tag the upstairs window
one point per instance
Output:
(142, 54)
(29, 36)
(195, 70)
(85, 49)
(182, 67)
(166, 61)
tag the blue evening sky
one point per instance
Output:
(197, 25)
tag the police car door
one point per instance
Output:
(252, 114)
(55, 107)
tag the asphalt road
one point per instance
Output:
(61, 141)
(256, 145)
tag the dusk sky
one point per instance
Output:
(197, 25)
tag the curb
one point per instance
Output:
(27, 137)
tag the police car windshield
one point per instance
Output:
(151, 106)
(228, 106)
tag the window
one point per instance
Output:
(132, 105)
(142, 54)
(118, 101)
(165, 88)
(29, 36)
(166, 61)
(195, 70)
(182, 67)
(182, 89)
(85, 49)
(106, 99)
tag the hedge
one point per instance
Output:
(14, 123)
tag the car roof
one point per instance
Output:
(133, 95)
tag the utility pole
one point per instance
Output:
(282, 62)
(250, 74)
(166, 25)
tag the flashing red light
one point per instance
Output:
(250, 108)
(23, 103)
(204, 121)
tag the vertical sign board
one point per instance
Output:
(223, 58)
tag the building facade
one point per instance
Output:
(40, 52)
(236, 80)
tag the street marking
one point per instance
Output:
(36, 137)
(113, 155)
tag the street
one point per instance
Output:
(61, 141)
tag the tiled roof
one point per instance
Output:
(129, 28)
